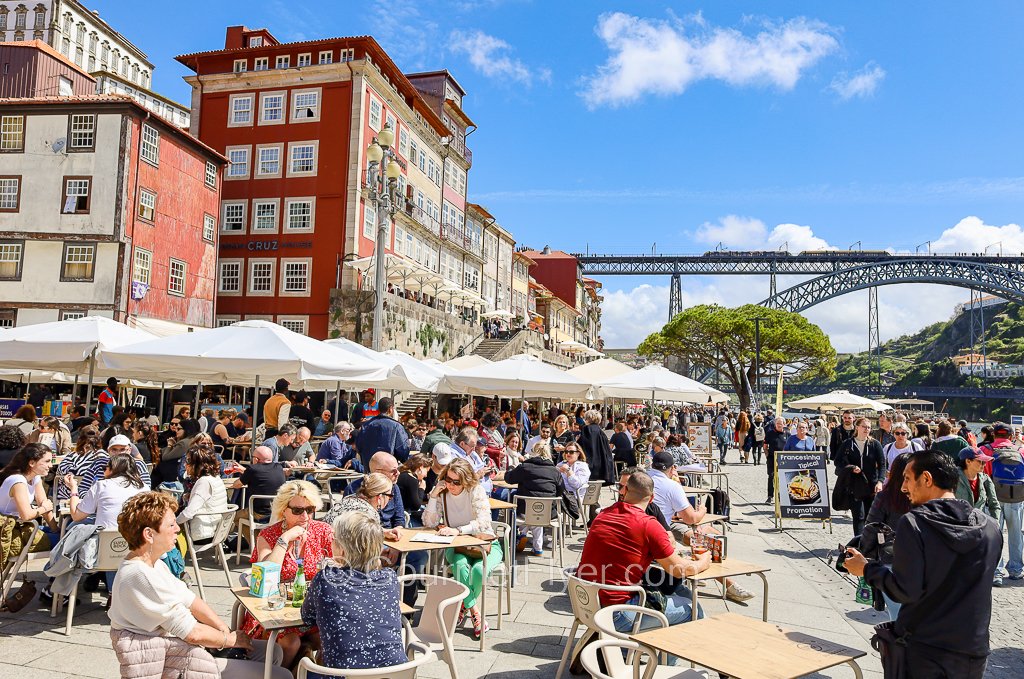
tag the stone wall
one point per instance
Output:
(414, 328)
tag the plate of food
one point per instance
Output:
(803, 489)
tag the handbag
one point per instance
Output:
(21, 598)
(471, 552)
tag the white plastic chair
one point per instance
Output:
(15, 562)
(502, 572)
(111, 552)
(220, 534)
(252, 524)
(406, 670)
(436, 626)
(612, 652)
(590, 496)
(546, 513)
(584, 596)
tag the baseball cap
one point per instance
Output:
(442, 452)
(662, 460)
(969, 453)
(119, 440)
(1001, 430)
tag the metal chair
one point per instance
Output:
(253, 525)
(612, 651)
(111, 552)
(220, 534)
(436, 626)
(584, 596)
(546, 513)
(406, 670)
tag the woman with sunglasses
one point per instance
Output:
(574, 469)
(902, 444)
(458, 506)
(292, 535)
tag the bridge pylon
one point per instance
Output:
(675, 296)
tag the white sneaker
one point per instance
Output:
(738, 594)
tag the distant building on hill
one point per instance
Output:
(987, 301)
(628, 356)
(976, 364)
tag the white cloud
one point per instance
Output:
(489, 55)
(861, 84)
(650, 56)
(748, 233)
(972, 234)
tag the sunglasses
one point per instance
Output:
(900, 433)
(387, 495)
(571, 451)
(299, 511)
(454, 482)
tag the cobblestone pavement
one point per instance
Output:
(812, 541)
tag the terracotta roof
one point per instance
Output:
(43, 47)
(462, 114)
(318, 41)
(554, 254)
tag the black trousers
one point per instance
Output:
(928, 662)
(859, 510)
(770, 462)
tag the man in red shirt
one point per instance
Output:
(624, 541)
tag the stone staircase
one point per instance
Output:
(408, 403)
(489, 347)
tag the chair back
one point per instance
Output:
(251, 499)
(613, 652)
(538, 511)
(440, 608)
(592, 495)
(604, 620)
(112, 550)
(502, 533)
(406, 670)
(225, 522)
(584, 596)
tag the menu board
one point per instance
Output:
(801, 486)
(699, 434)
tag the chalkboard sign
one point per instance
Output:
(801, 486)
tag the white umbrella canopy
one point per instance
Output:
(65, 345)
(516, 376)
(417, 371)
(466, 362)
(659, 383)
(840, 399)
(500, 313)
(242, 353)
(402, 375)
(601, 369)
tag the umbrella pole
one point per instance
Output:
(160, 414)
(88, 385)
(74, 392)
(255, 409)
(28, 385)
(199, 390)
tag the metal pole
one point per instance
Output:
(160, 415)
(337, 405)
(28, 385)
(74, 392)
(88, 386)
(195, 412)
(378, 280)
(255, 409)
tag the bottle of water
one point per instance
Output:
(864, 595)
(299, 586)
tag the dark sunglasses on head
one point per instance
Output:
(299, 511)
(454, 482)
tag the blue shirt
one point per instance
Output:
(382, 433)
(393, 514)
(335, 451)
(793, 443)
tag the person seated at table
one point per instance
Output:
(561, 435)
(21, 487)
(353, 602)
(282, 439)
(221, 431)
(622, 445)
(298, 451)
(144, 438)
(324, 425)
(574, 469)
(208, 494)
(335, 450)
(118, 445)
(372, 495)
(543, 436)
(623, 542)
(412, 484)
(87, 450)
(513, 449)
(170, 459)
(676, 445)
(471, 448)
(11, 441)
(537, 476)
(53, 434)
(392, 514)
(262, 477)
(152, 609)
(417, 433)
(292, 534)
(24, 419)
(458, 505)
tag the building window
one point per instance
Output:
(375, 113)
(256, 41)
(19, 17)
(268, 163)
(241, 110)
(76, 195)
(225, 321)
(326, 57)
(403, 142)
(272, 108)
(295, 324)
(79, 262)
(211, 175)
(348, 55)
(282, 62)
(295, 276)
(302, 158)
(40, 19)
(234, 218)
(150, 145)
(299, 214)
(10, 194)
(12, 133)
(239, 167)
(306, 105)
(241, 66)
(230, 278)
(176, 278)
(369, 220)
(71, 315)
(142, 266)
(261, 64)
(147, 205)
(305, 59)
(10, 259)
(209, 227)
(8, 318)
(264, 216)
(261, 277)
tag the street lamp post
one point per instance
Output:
(382, 174)
(757, 362)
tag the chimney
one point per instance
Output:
(546, 250)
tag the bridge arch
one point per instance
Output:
(1001, 281)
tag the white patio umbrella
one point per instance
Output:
(500, 313)
(839, 399)
(601, 369)
(520, 375)
(416, 370)
(466, 362)
(659, 383)
(402, 375)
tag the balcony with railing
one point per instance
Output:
(420, 216)
(459, 146)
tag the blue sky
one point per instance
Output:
(618, 126)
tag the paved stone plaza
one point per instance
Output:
(806, 595)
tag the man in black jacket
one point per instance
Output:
(840, 434)
(945, 556)
(775, 438)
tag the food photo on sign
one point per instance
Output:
(802, 486)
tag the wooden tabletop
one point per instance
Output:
(286, 617)
(729, 568)
(500, 504)
(407, 545)
(693, 490)
(769, 651)
(502, 484)
(708, 518)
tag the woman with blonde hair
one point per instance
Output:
(458, 506)
(292, 538)
(740, 434)
(562, 434)
(373, 495)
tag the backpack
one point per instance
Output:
(1007, 473)
(720, 503)
(759, 434)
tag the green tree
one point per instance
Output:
(712, 335)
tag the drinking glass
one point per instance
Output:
(278, 597)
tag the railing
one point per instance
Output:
(460, 147)
(471, 346)
(420, 216)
